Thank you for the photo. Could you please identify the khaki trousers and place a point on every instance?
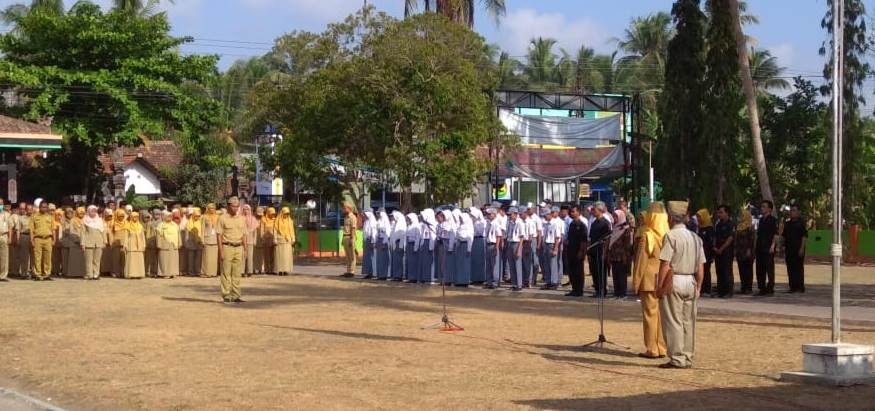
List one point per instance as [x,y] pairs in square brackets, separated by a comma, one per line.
[42,257]
[93,257]
[23,257]
[654,342]
[351,255]
[232,269]
[4,259]
[678,314]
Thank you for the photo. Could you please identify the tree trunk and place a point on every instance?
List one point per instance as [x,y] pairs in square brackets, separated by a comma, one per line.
[406,199]
[759,157]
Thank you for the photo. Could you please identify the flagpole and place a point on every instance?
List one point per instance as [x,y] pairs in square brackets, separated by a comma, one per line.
[838,111]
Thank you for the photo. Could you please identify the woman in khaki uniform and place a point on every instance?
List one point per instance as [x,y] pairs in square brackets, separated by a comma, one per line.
[93,242]
[653,228]
[258,258]
[210,258]
[151,255]
[180,217]
[266,235]
[118,236]
[135,248]
[194,243]
[74,258]
[106,255]
[284,240]
[251,235]
[168,242]
[60,247]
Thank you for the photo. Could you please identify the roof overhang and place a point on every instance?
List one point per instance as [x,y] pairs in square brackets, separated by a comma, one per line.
[31,141]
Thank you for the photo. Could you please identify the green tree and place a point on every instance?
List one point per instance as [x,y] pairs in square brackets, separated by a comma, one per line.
[106,79]
[647,40]
[138,7]
[766,72]
[679,159]
[459,11]
[540,67]
[12,13]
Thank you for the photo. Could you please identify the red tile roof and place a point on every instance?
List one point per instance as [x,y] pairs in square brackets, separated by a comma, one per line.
[15,125]
[159,155]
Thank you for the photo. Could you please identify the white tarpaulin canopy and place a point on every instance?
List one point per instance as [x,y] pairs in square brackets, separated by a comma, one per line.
[562,131]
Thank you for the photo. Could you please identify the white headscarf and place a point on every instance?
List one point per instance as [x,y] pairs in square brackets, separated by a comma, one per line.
[449,223]
[465,231]
[95,222]
[428,218]
[369,228]
[399,229]
[414,233]
[384,226]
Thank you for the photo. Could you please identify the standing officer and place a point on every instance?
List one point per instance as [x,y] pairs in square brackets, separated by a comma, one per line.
[767,233]
[5,239]
[350,230]
[231,230]
[682,267]
[43,236]
[724,251]
[795,236]
[599,232]
[23,256]
[577,244]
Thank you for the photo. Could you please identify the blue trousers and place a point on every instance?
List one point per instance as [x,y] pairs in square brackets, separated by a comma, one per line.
[412,262]
[528,260]
[368,258]
[493,265]
[398,262]
[426,262]
[478,266]
[552,267]
[514,264]
[462,274]
[382,261]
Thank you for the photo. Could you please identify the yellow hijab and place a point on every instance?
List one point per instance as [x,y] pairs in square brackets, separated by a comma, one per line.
[58,218]
[656,221]
[285,224]
[746,221]
[211,216]
[195,225]
[704,218]
[120,220]
[169,230]
[78,218]
[269,218]
[134,225]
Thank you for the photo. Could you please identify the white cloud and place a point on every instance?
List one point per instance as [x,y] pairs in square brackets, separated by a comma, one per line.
[785,52]
[321,10]
[520,26]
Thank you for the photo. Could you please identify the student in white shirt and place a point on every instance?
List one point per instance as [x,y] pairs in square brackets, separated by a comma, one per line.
[552,251]
[516,234]
[426,247]
[478,248]
[494,237]
[412,241]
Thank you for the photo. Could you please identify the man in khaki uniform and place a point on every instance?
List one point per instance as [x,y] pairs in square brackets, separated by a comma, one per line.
[5,239]
[350,230]
[681,272]
[22,266]
[231,230]
[42,238]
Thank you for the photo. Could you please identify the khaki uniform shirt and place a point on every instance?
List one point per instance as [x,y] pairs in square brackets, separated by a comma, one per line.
[22,224]
[6,225]
[350,225]
[41,225]
[683,249]
[231,229]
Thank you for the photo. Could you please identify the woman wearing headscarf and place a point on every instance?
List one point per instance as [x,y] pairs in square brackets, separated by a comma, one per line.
[446,234]
[266,235]
[384,232]
[398,244]
[106,256]
[464,245]
[135,248]
[74,259]
[428,240]
[93,242]
[620,252]
[370,234]
[284,242]
[210,253]
[193,239]
[59,221]
[478,247]
[251,240]
[706,233]
[181,221]
[744,251]
[412,240]
[258,257]
[169,242]
[654,227]
[119,236]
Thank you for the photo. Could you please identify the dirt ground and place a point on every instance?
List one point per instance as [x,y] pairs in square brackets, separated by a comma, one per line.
[303,342]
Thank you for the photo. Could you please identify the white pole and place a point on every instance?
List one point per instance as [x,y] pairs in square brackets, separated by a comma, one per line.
[650,159]
[652,197]
[838,16]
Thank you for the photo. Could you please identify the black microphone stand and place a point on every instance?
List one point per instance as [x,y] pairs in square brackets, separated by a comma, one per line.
[603,274]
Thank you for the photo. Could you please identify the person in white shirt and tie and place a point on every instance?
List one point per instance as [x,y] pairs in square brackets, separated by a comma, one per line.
[553,228]
[494,237]
[516,234]
[478,249]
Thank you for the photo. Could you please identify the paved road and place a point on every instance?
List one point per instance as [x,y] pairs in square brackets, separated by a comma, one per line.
[796,305]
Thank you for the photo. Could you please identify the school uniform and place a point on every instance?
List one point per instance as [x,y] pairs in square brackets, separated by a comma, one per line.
[493,236]
[478,248]
[428,242]
[398,245]
[516,234]
[464,246]
[384,228]
[552,241]
[369,231]
[412,240]
[445,249]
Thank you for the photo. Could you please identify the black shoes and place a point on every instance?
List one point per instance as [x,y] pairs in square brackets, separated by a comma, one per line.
[670,366]
[347,275]
[574,294]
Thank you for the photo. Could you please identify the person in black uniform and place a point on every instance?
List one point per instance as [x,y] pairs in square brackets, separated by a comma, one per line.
[724,250]
[577,243]
[599,230]
[795,235]
[767,231]
[705,230]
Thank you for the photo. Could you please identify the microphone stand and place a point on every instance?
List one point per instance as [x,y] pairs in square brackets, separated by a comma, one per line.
[445,324]
[603,274]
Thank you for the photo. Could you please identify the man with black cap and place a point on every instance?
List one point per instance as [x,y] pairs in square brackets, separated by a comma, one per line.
[681,270]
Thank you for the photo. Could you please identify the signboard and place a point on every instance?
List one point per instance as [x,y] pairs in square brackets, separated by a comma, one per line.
[276,188]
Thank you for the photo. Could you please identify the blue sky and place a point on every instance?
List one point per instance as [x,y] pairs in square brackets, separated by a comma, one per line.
[789,28]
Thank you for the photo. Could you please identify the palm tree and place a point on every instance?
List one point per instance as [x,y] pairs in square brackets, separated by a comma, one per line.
[460,11]
[15,12]
[647,39]
[766,72]
[509,70]
[540,65]
[142,8]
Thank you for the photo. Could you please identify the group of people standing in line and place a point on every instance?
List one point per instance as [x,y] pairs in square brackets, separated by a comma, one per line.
[668,253]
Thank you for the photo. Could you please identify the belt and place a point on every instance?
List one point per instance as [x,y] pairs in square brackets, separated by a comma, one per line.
[681,274]
[233,244]
[478,236]
[42,236]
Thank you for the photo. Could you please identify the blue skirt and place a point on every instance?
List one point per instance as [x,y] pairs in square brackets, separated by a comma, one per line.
[368,258]
[478,261]
[444,264]
[462,274]
[426,262]
[398,262]
[412,260]
[382,261]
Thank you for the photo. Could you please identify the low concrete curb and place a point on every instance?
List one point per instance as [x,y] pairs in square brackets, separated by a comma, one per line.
[12,398]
